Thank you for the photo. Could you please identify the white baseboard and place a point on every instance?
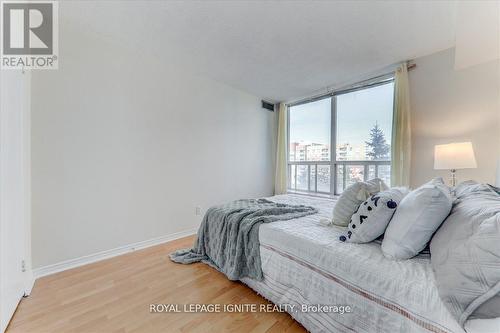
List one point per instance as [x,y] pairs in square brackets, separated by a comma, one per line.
[88,259]
[30,282]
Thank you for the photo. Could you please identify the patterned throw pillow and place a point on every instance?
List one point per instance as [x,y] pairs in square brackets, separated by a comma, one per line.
[371,218]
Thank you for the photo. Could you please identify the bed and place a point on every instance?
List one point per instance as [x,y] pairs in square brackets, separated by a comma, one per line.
[304,263]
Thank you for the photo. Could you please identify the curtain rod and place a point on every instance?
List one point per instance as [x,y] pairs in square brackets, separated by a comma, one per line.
[376,80]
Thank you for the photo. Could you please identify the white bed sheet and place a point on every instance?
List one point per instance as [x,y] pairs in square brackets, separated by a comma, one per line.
[305,263]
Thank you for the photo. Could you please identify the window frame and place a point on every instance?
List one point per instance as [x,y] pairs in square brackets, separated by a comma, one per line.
[333,162]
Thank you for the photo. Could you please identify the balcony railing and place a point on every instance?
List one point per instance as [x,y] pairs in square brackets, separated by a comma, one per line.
[317,177]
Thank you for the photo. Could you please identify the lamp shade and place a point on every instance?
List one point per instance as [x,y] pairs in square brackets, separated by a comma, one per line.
[451,156]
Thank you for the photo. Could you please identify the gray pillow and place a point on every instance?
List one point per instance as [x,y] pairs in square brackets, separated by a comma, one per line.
[372,217]
[352,197]
[418,216]
[465,254]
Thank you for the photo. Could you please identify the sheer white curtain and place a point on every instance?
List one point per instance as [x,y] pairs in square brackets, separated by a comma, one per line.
[401,130]
[280,179]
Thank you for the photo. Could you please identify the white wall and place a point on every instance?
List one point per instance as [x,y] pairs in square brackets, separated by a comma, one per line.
[124,146]
[450,105]
[15,242]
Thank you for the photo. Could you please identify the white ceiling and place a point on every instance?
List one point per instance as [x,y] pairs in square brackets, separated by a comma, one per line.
[276,50]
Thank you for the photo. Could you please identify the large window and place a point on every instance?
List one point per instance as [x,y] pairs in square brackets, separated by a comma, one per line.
[358,123]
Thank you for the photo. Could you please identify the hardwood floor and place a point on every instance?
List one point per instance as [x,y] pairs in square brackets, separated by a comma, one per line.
[114,295]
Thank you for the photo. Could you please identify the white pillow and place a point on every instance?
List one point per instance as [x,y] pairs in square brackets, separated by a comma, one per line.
[352,197]
[372,217]
[418,216]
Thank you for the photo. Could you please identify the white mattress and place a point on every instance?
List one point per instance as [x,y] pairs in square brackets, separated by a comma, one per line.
[304,263]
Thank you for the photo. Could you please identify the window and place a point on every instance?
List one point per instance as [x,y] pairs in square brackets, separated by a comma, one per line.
[310,131]
[358,123]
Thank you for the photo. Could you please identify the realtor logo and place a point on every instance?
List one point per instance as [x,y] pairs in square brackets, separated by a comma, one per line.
[29,35]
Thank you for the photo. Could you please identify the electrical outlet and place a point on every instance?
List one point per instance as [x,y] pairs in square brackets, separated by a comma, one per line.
[197,210]
[23,266]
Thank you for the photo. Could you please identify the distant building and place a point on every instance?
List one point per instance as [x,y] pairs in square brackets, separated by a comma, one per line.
[303,151]
[348,152]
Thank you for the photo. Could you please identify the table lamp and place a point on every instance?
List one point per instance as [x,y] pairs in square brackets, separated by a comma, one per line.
[454,156]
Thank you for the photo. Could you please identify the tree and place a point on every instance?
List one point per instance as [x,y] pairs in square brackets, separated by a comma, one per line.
[377,147]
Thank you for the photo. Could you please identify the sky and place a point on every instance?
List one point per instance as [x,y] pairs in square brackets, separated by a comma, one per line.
[357,113]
